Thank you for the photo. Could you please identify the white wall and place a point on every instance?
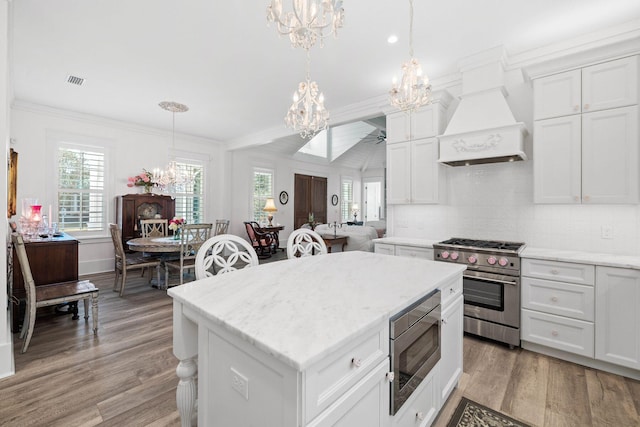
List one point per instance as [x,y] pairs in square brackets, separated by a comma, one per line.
[495,201]
[6,348]
[132,149]
[242,164]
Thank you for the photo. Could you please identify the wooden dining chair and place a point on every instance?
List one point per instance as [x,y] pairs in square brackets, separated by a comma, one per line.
[51,294]
[125,262]
[222,227]
[304,242]
[224,251]
[156,227]
[264,243]
[192,236]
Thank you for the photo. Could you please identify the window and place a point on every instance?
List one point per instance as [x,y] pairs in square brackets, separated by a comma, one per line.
[190,196]
[262,190]
[81,188]
[346,203]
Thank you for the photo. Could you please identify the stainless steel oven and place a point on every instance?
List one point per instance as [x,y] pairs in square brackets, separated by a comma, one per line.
[491,285]
[415,347]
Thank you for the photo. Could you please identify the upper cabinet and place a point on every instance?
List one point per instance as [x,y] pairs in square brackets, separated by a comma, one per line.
[426,122]
[413,172]
[598,87]
[585,147]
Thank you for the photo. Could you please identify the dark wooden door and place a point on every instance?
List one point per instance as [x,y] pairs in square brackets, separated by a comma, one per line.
[310,196]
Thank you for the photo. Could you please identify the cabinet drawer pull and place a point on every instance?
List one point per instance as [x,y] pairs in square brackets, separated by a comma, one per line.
[420,416]
[576,108]
[554,333]
[391,376]
[554,299]
[356,362]
[586,198]
[555,272]
[586,106]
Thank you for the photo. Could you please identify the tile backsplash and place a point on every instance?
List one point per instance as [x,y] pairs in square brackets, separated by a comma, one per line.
[495,201]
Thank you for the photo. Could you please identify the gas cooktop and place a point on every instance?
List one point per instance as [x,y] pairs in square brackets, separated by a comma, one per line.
[483,244]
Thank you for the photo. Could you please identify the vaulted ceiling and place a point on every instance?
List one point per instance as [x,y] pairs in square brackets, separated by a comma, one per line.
[235,73]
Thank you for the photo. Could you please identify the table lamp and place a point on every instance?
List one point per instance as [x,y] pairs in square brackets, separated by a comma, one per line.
[270,207]
[354,208]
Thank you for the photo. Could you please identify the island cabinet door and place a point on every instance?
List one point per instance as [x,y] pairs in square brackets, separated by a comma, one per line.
[365,404]
[451,356]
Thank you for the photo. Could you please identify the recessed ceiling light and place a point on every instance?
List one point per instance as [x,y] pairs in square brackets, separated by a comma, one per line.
[392,39]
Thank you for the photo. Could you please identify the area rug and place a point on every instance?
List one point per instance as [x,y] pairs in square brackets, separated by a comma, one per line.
[471,414]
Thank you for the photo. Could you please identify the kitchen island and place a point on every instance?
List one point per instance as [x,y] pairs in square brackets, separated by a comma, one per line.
[296,342]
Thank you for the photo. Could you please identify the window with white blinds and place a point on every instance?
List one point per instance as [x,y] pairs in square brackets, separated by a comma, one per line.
[262,190]
[190,201]
[81,189]
[346,199]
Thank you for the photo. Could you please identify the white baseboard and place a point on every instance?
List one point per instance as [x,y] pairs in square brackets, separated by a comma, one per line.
[7,367]
[95,266]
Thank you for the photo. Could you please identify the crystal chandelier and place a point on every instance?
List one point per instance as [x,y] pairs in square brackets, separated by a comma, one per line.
[308,21]
[171,176]
[414,90]
[307,114]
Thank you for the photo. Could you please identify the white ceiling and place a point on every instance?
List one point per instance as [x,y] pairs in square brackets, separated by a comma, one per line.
[234,72]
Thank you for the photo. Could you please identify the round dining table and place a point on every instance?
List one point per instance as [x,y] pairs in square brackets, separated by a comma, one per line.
[155,244]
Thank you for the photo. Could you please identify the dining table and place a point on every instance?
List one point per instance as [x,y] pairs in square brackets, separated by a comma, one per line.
[157,245]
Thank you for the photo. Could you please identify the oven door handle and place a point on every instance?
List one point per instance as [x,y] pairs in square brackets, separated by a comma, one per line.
[483,279]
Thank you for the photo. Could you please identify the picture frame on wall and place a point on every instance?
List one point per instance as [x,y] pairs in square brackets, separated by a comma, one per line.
[12,183]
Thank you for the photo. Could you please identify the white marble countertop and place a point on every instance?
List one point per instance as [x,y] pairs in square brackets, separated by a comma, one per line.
[407,241]
[302,310]
[606,260]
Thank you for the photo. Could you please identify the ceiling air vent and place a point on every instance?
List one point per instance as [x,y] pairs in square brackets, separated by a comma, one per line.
[74,80]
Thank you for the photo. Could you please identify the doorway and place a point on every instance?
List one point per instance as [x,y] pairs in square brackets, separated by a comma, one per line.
[373,200]
[310,197]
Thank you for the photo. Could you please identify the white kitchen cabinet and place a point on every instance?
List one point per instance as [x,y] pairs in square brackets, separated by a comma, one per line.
[610,157]
[598,87]
[407,249]
[427,122]
[587,154]
[558,305]
[385,249]
[413,172]
[422,406]
[414,252]
[617,333]
[557,95]
[557,162]
[451,356]
[366,404]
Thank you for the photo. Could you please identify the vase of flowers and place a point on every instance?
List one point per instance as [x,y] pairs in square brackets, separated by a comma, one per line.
[175,225]
[145,180]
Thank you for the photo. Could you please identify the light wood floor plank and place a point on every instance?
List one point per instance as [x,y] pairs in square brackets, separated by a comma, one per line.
[527,388]
[489,381]
[610,400]
[567,398]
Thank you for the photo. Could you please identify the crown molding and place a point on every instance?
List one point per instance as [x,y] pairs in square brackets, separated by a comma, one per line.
[29,107]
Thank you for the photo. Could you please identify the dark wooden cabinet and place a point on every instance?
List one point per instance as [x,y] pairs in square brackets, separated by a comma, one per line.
[131,208]
[51,261]
[310,197]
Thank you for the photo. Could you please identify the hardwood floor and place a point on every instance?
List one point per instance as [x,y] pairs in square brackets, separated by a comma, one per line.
[126,375]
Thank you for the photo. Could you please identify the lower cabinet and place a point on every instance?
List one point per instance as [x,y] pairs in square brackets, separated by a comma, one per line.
[366,404]
[404,250]
[421,408]
[618,316]
[451,347]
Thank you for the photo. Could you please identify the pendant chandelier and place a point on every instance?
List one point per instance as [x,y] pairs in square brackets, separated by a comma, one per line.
[307,114]
[414,90]
[171,176]
[310,20]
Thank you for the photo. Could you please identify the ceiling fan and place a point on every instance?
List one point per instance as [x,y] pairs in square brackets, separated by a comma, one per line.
[376,137]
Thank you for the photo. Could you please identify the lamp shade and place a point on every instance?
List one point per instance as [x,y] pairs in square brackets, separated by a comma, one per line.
[270,206]
[354,206]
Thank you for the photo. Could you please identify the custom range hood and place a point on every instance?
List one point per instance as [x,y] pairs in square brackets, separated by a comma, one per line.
[483,128]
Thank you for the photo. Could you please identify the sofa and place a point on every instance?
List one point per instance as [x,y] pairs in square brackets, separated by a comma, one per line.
[360,236]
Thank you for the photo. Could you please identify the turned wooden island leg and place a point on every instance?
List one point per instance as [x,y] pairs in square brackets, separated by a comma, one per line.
[185,348]
[186,391]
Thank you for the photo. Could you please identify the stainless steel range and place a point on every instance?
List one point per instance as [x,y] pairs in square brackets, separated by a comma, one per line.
[491,285]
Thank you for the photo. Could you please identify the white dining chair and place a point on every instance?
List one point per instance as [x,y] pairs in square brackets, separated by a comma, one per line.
[304,242]
[224,251]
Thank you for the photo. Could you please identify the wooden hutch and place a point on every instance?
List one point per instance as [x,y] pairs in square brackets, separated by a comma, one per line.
[131,208]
